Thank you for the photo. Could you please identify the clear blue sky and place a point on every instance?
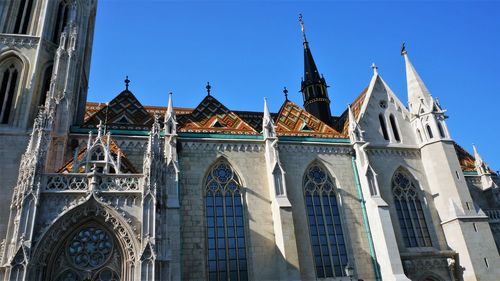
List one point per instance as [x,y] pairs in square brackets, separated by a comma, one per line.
[251,49]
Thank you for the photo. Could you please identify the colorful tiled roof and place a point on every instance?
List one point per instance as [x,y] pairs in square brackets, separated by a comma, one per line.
[292,120]
[343,121]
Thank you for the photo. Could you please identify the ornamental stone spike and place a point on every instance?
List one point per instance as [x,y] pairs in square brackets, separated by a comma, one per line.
[418,94]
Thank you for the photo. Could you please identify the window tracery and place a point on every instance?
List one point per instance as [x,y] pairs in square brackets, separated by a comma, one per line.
[225,224]
[89,253]
[325,227]
[409,210]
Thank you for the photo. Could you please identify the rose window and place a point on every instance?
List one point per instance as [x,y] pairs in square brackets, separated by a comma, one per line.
[90,248]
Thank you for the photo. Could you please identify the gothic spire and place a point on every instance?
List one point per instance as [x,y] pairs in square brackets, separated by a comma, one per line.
[419,97]
[313,86]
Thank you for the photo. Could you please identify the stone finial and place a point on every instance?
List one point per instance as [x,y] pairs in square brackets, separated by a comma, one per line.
[375,68]
[208,87]
[285,91]
[126,82]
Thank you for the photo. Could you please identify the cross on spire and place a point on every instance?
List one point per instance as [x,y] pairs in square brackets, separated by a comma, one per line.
[126,82]
[208,87]
[375,68]
[403,49]
[285,91]
[301,21]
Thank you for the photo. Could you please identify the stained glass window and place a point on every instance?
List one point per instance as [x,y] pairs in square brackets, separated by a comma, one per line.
[410,212]
[226,258]
[325,227]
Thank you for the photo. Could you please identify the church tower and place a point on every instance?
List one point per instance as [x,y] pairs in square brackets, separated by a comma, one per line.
[313,86]
[464,224]
[44,44]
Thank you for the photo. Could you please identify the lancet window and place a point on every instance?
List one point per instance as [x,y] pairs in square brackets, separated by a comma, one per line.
[9,80]
[409,210]
[61,19]
[23,16]
[394,127]
[227,258]
[325,226]
[383,126]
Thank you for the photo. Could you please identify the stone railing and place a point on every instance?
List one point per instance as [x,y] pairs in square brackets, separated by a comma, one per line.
[493,214]
[19,40]
[73,182]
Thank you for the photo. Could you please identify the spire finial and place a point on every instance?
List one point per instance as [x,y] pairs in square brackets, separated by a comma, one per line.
[285,91]
[403,49]
[126,82]
[208,87]
[375,68]
[301,21]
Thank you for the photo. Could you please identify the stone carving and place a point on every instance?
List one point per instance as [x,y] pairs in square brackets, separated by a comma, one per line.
[19,41]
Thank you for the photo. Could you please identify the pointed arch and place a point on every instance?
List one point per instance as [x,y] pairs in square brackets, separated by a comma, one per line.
[394,127]
[224,206]
[11,72]
[383,126]
[325,223]
[88,218]
[62,16]
[407,201]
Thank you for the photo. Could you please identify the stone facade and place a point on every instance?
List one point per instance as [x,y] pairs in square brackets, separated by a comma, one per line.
[122,191]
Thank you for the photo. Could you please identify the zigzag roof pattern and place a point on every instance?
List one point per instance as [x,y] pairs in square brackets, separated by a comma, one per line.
[292,120]
[211,116]
[123,112]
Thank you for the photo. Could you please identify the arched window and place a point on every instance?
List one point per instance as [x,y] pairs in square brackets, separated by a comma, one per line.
[9,80]
[61,20]
[409,211]
[225,224]
[429,131]
[90,251]
[383,126]
[23,16]
[327,236]
[394,127]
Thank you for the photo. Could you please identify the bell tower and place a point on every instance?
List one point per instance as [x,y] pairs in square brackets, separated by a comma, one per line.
[44,45]
[313,86]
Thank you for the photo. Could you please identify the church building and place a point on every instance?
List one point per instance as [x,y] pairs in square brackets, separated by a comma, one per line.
[126,191]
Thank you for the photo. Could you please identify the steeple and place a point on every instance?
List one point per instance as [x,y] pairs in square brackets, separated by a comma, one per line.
[313,86]
[419,97]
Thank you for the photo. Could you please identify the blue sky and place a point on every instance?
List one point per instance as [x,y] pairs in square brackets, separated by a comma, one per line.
[249,50]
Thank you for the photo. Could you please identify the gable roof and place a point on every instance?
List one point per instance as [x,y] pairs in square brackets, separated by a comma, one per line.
[123,112]
[292,120]
[211,116]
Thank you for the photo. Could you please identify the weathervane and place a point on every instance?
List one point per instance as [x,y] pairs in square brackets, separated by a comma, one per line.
[285,91]
[208,87]
[301,21]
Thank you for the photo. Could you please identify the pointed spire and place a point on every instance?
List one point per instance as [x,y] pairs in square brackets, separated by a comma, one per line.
[311,73]
[267,123]
[170,123]
[355,131]
[313,86]
[479,163]
[419,96]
